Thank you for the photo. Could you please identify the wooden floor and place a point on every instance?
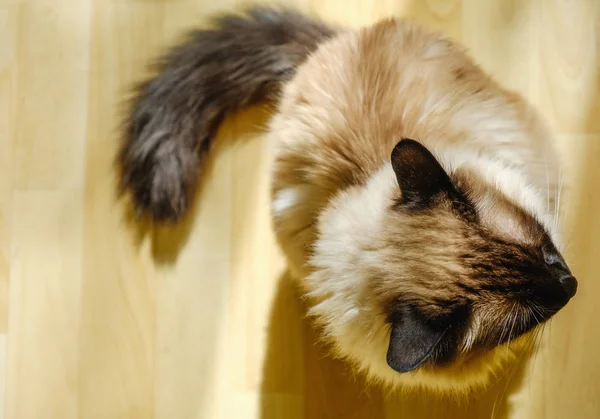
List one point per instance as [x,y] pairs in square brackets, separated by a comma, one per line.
[99,319]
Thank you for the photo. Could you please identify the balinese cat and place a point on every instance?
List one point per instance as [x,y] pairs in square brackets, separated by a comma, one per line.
[412,195]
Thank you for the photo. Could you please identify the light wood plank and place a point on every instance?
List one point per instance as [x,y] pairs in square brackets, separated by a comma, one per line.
[8,44]
[43,344]
[569,40]
[52,80]
[502,37]
[109,319]
[119,287]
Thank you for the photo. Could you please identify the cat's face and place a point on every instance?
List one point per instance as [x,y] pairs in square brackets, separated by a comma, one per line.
[465,269]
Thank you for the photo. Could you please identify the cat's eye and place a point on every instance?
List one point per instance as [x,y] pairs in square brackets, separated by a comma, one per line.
[553,258]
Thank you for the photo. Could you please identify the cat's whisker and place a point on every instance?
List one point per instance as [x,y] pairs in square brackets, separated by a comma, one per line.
[547,184]
[515,367]
[559,190]
[504,327]
[513,316]
[537,348]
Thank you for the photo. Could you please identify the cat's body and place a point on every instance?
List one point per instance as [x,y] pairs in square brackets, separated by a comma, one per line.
[333,136]
[359,94]
[414,265]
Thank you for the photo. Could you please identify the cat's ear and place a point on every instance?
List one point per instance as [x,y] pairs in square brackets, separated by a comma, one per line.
[420,176]
[413,340]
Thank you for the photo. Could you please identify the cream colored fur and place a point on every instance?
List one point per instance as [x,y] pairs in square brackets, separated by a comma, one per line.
[358,95]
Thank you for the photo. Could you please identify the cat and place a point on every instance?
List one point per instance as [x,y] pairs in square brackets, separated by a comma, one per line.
[412,195]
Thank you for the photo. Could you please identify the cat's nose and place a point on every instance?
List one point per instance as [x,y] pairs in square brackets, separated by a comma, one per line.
[569,284]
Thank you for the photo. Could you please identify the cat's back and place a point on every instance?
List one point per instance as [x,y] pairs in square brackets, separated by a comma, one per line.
[354,98]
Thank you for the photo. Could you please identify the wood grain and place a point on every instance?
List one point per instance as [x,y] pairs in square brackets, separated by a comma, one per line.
[103,318]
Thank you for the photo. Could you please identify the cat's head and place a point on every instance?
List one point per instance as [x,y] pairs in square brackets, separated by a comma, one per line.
[428,270]
[482,271]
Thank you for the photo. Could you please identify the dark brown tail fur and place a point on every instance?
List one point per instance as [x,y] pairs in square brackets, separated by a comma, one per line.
[242,60]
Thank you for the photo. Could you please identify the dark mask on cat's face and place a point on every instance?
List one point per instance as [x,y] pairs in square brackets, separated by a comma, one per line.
[485,273]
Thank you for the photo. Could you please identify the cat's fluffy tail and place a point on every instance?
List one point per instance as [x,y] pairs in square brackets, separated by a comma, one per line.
[241,60]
